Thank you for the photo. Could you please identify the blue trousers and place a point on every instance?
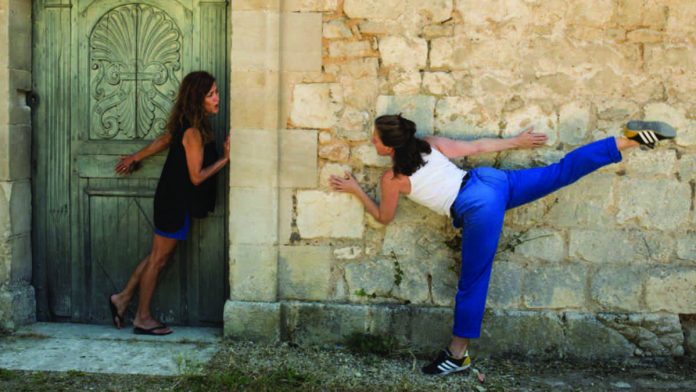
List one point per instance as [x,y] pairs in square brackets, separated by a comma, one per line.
[479,210]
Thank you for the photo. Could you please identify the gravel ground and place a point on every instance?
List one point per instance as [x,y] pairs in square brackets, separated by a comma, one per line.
[247,366]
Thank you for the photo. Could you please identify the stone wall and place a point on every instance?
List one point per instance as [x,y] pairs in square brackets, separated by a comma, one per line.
[17,303]
[610,259]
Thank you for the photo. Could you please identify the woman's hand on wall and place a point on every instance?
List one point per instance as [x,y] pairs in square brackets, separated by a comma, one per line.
[126,165]
[530,139]
[347,183]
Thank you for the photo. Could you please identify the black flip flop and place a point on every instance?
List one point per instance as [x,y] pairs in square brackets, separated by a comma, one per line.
[115,317]
[151,331]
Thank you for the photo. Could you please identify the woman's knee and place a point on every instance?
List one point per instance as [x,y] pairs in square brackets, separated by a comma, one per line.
[158,260]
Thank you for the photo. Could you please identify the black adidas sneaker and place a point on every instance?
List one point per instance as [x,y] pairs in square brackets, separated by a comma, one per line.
[445,364]
[648,133]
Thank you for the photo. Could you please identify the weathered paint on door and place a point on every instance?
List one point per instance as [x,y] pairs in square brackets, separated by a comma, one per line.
[106,72]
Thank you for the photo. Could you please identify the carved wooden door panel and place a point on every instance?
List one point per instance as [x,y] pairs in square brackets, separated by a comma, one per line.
[107,72]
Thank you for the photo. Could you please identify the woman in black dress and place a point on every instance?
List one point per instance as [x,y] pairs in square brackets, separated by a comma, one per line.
[185,189]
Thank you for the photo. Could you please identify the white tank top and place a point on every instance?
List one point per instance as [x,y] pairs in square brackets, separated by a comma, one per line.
[436,184]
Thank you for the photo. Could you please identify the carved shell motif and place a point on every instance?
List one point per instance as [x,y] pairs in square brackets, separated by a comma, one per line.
[135,61]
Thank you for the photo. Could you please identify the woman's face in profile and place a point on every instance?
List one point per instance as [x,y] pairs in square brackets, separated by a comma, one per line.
[211,103]
[379,146]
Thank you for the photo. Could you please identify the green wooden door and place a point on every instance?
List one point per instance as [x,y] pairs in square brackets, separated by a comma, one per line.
[106,73]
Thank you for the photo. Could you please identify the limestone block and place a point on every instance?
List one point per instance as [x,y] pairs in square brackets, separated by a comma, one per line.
[333,215]
[505,290]
[532,116]
[301,46]
[348,252]
[350,49]
[371,9]
[310,5]
[672,290]
[405,82]
[555,287]
[374,278]
[15,148]
[254,100]
[462,117]
[337,151]
[442,276]
[318,323]
[586,203]
[531,334]
[330,169]
[255,217]
[442,52]
[255,40]
[354,125]
[687,167]
[573,123]
[336,29]
[20,43]
[616,111]
[438,83]
[19,82]
[594,13]
[253,272]
[17,196]
[436,31]
[690,335]
[645,36]
[355,68]
[434,11]
[403,52]
[493,12]
[686,246]
[620,246]
[361,94]
[681,12]
[298,159]
[686,128]
[660,162]
[286,210]
[419,109]
[304,272]
[618,288]
[631,14]
[256,321]
[653,334]
[17,306]
[367,155]
[431,327]
[586,337]
[316,105]
[20,258]
[641,199]
[255,5]
[543,244]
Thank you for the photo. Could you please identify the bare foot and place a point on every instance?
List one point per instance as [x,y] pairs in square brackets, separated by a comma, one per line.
[121,306]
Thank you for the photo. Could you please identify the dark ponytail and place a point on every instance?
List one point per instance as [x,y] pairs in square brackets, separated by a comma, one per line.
[400,133]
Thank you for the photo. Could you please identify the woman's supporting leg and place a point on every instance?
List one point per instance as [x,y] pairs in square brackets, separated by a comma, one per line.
[530,184]
[481,206]
[162,249]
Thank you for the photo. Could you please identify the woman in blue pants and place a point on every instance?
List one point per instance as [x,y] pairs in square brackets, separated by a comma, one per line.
[477,200]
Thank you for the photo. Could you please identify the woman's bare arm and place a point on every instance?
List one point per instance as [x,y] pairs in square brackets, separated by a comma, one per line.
[193,145]
[460,148]
[391,186]
[126,163]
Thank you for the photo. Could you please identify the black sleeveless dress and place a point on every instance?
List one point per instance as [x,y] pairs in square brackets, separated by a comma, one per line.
[176,195]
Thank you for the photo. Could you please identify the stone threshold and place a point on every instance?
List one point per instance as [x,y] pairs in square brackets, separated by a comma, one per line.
[104,349]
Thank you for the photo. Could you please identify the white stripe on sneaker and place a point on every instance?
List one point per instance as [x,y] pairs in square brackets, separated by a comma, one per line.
[442,367]
[643,137]
[452,364]
[653,136]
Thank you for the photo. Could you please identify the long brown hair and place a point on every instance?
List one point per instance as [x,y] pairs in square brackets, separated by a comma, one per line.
[400,133]
[188,106]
